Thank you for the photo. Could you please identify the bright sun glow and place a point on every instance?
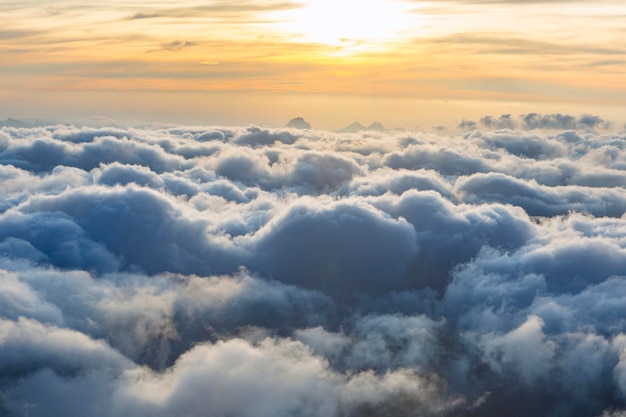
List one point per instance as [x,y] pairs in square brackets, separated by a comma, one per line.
[350,25]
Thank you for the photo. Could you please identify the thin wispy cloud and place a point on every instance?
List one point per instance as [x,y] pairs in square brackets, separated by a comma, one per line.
[435,51]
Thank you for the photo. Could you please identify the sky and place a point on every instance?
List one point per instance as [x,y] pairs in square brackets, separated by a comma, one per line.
[169,247]
[403,63]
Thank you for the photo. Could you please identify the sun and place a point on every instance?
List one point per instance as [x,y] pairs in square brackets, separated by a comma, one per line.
[350,24]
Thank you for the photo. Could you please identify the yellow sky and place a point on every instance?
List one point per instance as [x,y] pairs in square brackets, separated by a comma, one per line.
[401,62]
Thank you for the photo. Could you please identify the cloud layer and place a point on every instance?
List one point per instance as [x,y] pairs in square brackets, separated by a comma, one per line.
[213,271]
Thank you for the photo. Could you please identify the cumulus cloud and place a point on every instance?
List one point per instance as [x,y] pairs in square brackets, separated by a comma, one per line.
[337,248]
[539,200]
[436,157]
[504,121]
[248,271]
[532,121]
[561,121]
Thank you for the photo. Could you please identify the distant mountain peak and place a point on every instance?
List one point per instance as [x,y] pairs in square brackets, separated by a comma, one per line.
[376,126]
[358,127]
[11,122]
[299,123]
[353,128]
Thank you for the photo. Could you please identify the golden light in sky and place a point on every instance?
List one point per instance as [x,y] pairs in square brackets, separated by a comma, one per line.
[311,57]
[350,25]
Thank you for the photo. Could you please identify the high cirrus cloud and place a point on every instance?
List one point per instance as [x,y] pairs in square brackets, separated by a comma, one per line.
[229,271]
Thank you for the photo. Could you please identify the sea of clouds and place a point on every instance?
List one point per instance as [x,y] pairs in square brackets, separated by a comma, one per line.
[250,272]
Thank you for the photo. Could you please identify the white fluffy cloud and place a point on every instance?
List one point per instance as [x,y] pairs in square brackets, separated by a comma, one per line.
[243,271]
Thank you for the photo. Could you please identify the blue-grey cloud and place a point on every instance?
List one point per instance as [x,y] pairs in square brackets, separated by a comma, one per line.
[533,121]
[337,248]
[540,200]
[445,161]
[262,272]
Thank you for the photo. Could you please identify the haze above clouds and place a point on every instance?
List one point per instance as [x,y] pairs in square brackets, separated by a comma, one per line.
[242,271]
[405,63]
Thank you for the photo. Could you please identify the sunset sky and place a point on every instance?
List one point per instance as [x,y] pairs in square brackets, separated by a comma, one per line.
[171,245]
[404,63]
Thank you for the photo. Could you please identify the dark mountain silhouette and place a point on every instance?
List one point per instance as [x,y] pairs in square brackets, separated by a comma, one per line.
[299,123]
[358,127]
[377,127]
[353,128]
[10,122]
